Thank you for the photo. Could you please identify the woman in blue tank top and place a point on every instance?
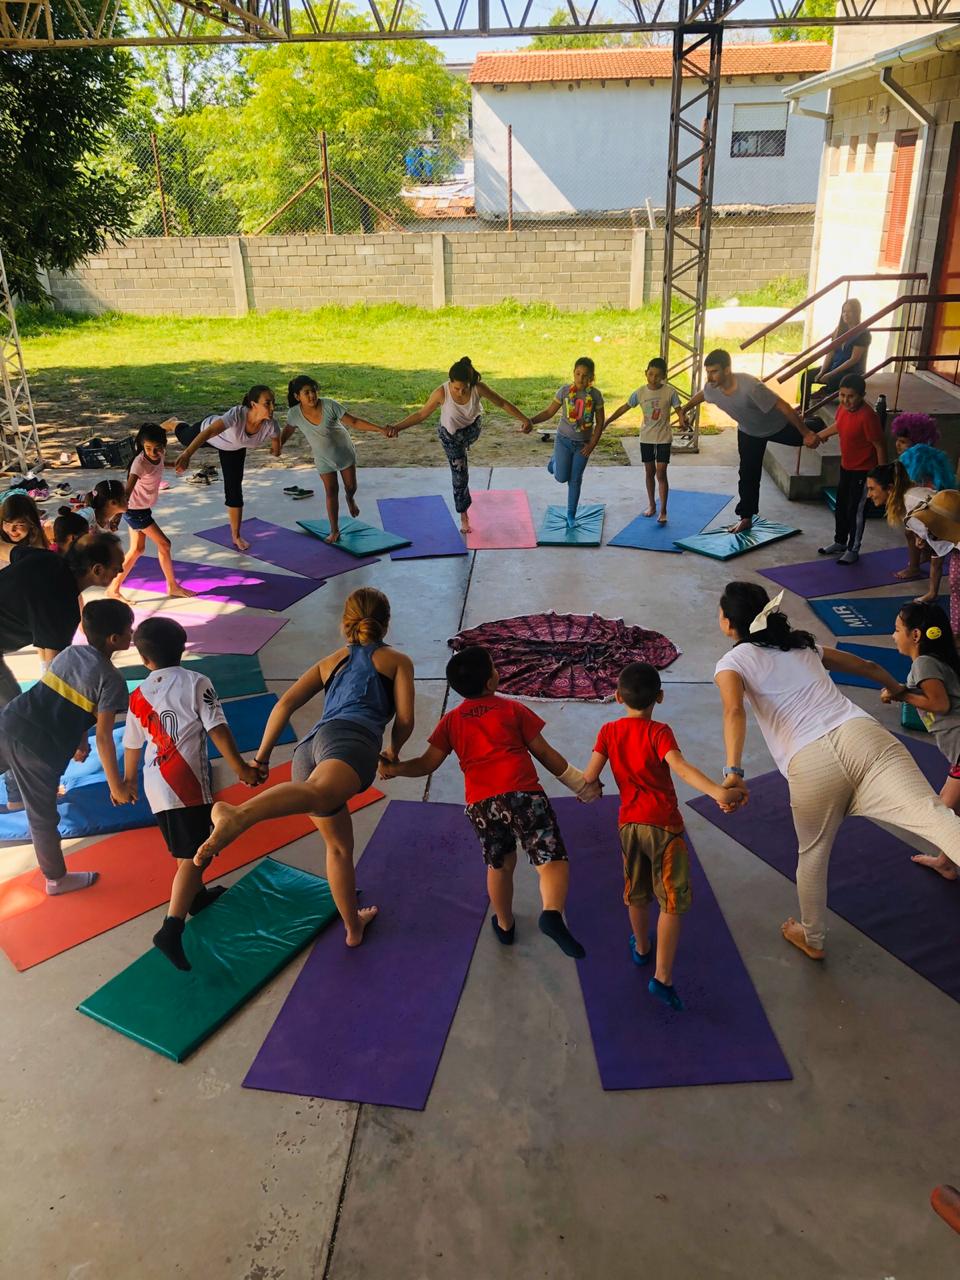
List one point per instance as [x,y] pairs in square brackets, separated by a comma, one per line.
[366,684]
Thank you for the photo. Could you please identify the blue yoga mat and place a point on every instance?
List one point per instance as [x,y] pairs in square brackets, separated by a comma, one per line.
[586,530]
[894,662]
[722,1036]
[688,513]
[717,544]
[427,523]
[874,617]
[247,718]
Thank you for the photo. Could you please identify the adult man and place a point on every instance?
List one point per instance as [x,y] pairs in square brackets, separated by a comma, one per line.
[761,415]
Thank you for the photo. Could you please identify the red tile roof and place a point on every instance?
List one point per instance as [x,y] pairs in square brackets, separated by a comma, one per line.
[565,65]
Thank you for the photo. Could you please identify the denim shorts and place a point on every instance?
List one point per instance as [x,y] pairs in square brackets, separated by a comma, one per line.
[140,519]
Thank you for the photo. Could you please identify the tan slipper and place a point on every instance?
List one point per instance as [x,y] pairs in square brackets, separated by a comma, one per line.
[792,930]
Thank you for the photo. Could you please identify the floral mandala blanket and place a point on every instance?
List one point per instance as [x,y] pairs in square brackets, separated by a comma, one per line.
[565,655]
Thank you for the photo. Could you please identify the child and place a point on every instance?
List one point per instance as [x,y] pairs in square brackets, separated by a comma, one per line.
[324,423]
[66,529]
[21,522]
[889,486]
[141,492]
[909,429]
[171,714]
[104,505]
[656,400]
[579,432]
[494,738]
[862,447]
[926,466]
[41,729]
[923,633]
[642,752]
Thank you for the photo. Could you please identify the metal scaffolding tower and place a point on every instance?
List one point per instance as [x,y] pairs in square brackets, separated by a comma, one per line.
[19,445]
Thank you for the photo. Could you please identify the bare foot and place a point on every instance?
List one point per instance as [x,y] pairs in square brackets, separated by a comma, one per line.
[352,505]
[907,575]
[742,526]
[792,930]
[227,825]
[118,595]
[464,525]
[650,511]
[333,536]
[936,862]
[929,598]
[241,544]
[176,592]
[662,518]
[364,917]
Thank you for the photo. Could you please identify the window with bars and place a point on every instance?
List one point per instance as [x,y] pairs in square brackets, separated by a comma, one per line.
[898,199]
[759,129]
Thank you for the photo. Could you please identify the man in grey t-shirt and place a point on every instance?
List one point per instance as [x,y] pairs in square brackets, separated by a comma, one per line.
[761,415]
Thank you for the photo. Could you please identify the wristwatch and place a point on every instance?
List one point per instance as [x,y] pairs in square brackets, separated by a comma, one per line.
[734,769]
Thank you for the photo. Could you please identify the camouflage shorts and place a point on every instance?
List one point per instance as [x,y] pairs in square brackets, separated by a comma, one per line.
[524,816]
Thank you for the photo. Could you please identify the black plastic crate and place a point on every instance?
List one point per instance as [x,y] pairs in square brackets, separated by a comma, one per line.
[101,454]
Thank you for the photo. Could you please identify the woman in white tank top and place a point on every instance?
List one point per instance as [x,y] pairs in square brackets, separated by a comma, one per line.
[458,400]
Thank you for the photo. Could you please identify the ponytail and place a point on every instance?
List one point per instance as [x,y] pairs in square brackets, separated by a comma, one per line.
[366,616]
[892,477]
[936,634]
[151,432]
[104,492]
[740,604]
[463,371]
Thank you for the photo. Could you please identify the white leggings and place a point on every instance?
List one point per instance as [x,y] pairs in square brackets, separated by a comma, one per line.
[857,770]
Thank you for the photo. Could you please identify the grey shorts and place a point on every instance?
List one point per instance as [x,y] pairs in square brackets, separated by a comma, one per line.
[343,740]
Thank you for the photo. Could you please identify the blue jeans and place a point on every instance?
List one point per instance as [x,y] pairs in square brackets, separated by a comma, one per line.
[568,465]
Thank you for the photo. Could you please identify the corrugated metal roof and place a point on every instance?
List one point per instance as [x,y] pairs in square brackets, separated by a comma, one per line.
[565,65]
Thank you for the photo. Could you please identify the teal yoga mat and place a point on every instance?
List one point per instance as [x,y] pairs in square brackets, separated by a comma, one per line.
[587,530]
[356,537]
[236,947]
[233,675]
[720,545]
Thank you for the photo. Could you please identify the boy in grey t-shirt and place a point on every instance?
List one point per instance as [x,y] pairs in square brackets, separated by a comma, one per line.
[658,400]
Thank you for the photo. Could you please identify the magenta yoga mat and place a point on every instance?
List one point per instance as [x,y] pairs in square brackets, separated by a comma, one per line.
[910,912]
[250,587]
[289,549]
[368,1024]
[721,1037]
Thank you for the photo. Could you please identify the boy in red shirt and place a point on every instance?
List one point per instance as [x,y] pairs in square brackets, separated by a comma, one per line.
[642,752]
[862,448]
[494,739]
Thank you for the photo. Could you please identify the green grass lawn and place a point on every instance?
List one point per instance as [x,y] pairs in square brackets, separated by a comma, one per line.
[111,372]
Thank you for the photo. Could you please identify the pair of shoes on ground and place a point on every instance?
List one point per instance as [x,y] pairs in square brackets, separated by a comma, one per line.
[665,994]
[297,494]
[840,552]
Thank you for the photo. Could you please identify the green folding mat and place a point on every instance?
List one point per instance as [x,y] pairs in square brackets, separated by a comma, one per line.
[720,545]
[830,498]
[356,537]
[587,530]
[236,946]
[233,675]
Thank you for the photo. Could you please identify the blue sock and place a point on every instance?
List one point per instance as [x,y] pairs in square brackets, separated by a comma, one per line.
[667,994]
[637,958]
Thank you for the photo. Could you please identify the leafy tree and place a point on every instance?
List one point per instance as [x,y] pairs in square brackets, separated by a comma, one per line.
[62,195]
[591,39]
[811,9]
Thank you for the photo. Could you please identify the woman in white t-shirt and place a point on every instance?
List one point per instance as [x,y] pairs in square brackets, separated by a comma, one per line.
[232,433]
[838,761]
[458,400]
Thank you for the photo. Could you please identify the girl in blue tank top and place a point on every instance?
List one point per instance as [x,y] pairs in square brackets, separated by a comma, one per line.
[366,685]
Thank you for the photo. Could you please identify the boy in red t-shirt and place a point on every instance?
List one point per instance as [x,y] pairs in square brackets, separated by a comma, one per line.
[642,752]
[862,448]
[494,739]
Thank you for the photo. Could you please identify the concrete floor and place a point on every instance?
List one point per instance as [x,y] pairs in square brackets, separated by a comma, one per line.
[119,1164]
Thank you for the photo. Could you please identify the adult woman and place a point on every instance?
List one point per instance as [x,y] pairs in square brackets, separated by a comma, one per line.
[366,684]
[838,761]
[458,400]
[324,424]
[245,425]
[841,358]
[889,486]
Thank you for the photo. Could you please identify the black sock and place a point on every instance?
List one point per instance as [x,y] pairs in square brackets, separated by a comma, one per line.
[205,898]
[169,940]
[506,936]
[554,926]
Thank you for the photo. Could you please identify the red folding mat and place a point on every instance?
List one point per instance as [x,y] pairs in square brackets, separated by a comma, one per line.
[136,871]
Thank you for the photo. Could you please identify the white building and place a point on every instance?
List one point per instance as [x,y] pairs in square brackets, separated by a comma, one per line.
[590,129]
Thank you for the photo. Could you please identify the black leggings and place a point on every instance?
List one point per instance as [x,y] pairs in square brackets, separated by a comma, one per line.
[751,450]
[232,462]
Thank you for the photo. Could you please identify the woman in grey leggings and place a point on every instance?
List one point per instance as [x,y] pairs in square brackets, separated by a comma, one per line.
[838,761]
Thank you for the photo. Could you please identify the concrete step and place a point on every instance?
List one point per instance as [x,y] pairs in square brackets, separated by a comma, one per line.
[818,469]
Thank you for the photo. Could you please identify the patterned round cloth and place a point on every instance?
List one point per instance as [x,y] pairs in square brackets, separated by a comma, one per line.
[565,655]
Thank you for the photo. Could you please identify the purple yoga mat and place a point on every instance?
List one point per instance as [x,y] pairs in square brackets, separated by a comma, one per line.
[214,633]
[721,1037]
[288,549]
[824,577]
[369,1024]
[428,524]
[912,913]
[250,587]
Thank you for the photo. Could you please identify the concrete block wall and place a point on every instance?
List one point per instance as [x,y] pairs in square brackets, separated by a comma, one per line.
[575,269]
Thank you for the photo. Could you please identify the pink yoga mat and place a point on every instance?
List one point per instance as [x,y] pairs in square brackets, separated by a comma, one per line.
[238,632]
[500,519]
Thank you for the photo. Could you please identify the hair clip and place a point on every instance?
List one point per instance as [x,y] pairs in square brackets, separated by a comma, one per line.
[933,633]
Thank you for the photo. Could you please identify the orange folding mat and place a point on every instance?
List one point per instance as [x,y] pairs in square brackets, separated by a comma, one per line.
[136,872]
